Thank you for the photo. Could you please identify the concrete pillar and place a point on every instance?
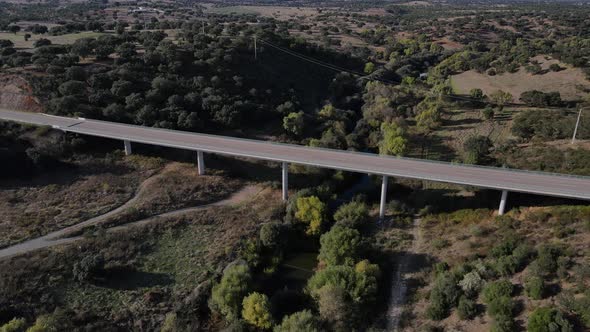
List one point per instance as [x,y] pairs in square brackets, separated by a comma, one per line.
[200,163]
[127,147]
[503,202]
[285,176]
[383,197]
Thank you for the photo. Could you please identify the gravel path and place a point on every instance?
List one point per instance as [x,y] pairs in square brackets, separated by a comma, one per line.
[399,288]
[60,236]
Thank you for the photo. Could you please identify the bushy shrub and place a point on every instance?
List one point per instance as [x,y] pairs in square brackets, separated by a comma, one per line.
[471,283]
[548,320]
[546,262]
[226,297]
[467,308]
[88,267]
[500,306]
[45,323]
[271,234]
[503,324]
[443,297]
[534,288]
[441,267]
[497,289]
[505,247]
[352,215]
[523,254]
[506,265]
[299,321]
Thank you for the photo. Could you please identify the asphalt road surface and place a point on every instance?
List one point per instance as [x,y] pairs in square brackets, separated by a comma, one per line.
[486,177]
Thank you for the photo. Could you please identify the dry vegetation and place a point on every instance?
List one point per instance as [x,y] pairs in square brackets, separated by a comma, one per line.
[61,198]
[149,270]
[468,235]
[570,82]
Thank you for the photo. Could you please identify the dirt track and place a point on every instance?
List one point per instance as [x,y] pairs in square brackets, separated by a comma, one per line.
[60,237]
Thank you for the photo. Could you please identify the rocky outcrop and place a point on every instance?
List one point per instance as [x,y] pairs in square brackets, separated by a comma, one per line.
[16,94]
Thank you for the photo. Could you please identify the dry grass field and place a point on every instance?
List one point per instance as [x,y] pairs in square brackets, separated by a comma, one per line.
[19,38]
[570,82]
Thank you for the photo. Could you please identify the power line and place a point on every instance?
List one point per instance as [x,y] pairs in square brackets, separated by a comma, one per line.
[327,65]
[361,76]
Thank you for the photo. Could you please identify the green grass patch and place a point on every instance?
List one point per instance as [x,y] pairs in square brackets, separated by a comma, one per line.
[182,255]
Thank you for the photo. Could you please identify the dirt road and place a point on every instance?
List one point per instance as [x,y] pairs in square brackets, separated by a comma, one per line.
[60,237]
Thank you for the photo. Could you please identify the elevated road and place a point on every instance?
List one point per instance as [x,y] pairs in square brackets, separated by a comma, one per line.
[541,183]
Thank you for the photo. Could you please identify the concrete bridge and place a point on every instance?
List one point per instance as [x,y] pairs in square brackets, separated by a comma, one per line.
[505,180]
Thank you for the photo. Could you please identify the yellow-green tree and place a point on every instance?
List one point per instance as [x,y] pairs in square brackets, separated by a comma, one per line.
[393,141]
[501,98]
[369,67]
[311,211]
[256,310]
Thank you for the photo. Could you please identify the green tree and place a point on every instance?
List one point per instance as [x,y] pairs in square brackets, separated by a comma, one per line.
[271,234]
[72,88]
[311,211]
[341,245]
[548,320]
[14,325]
[369,68]
[496,289]
[83,47]
[294,123]
[477,149]
[429,119]
[227,295]
[501,98]
[476,94]
[45,323]
[14,28]
[467,308]
[302,321]
[393,141]
[353,215]
[256,310]
[360,288]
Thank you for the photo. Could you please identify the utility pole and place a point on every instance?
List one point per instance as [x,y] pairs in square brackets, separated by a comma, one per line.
[203,27]
[577,124]
[255,50]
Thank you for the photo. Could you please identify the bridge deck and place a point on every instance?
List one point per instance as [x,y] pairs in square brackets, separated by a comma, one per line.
[486,177]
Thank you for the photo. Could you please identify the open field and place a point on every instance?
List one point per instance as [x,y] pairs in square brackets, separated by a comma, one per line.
[19,38]
[278,12]
[570,82]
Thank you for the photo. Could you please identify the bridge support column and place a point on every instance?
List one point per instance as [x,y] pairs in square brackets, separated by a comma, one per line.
[127,147]
[285,176]
[502,208]
[383,197]
[200,163]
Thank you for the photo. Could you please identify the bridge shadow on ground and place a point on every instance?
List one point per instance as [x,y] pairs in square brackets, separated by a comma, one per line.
[453,199]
